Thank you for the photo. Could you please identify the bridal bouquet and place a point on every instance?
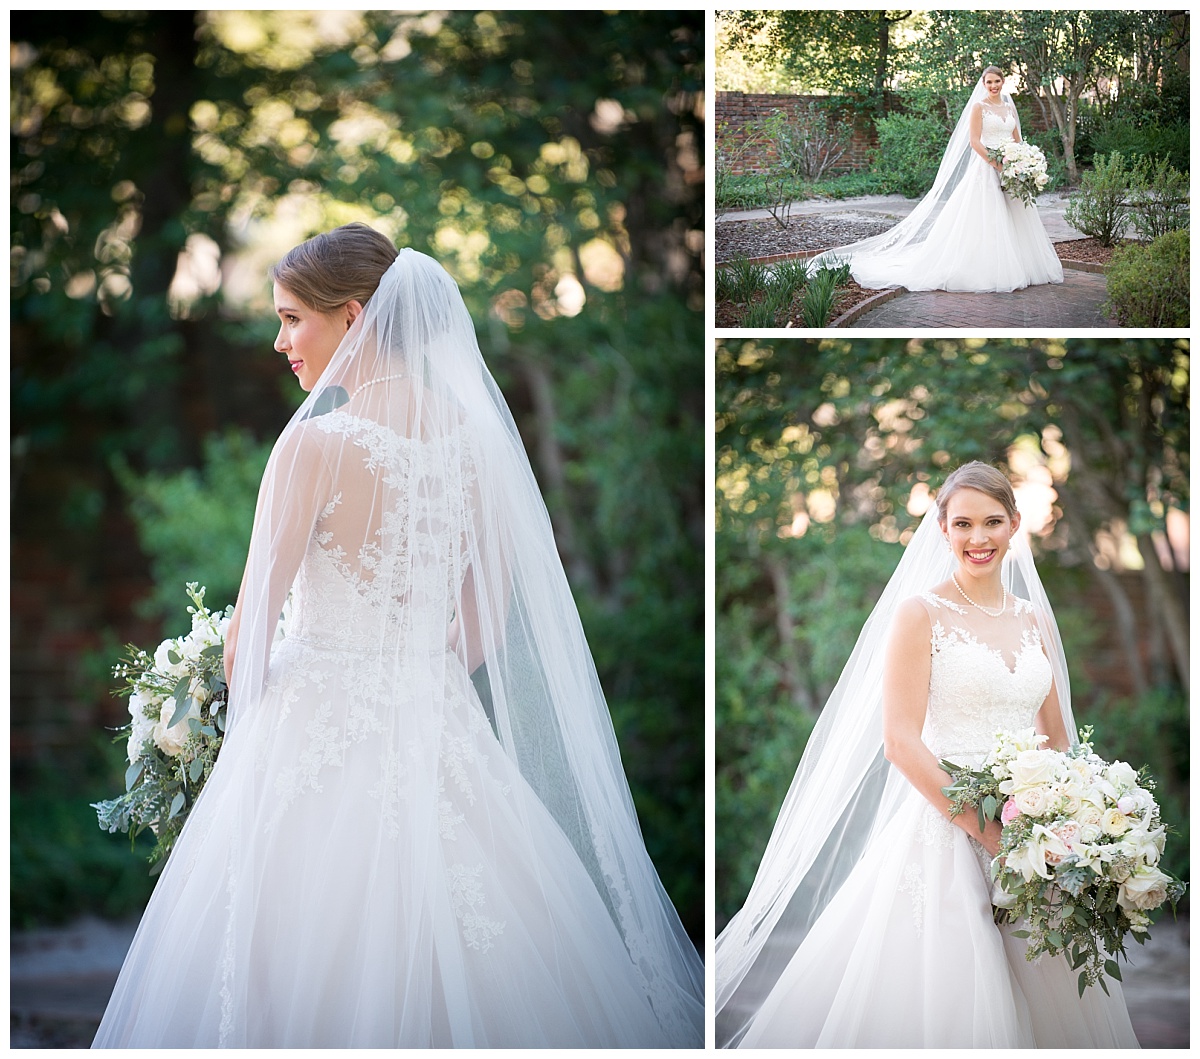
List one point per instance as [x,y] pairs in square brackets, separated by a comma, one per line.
[1079,850]
[1023,174]
[177,699]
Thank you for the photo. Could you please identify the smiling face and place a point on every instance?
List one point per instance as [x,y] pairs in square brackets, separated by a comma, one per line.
[309,338]
[979,531]
[993,83]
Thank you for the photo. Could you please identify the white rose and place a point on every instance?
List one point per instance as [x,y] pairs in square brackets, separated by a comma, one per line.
[1121,775]
[170,740]
[1032,768]
[1144,890]
[1114,822]
[1089,831]
[163,663]
[1031,801]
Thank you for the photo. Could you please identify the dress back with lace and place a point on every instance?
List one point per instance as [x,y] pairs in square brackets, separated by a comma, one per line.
[987,674]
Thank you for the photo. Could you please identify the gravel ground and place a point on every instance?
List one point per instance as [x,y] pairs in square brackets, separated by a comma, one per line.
[763,238]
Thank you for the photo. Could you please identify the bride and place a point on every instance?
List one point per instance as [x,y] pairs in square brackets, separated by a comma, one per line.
[966,234]
[869,921]
[418,832]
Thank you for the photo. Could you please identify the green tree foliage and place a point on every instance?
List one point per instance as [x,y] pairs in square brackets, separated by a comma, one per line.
[820,446]
[552,163]
[854,53]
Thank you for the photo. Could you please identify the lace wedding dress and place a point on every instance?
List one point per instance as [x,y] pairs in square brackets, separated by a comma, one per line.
[418,832]
[966,233]
[906,953]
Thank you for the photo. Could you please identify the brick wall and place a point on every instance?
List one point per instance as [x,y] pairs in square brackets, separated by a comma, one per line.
[736,111]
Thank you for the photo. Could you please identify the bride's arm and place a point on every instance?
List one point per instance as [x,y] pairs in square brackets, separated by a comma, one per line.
[976,128]
[906,667]
[1050,721]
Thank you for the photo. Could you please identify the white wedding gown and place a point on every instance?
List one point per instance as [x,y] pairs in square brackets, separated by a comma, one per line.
[906,954]
[367,866]
[981,240]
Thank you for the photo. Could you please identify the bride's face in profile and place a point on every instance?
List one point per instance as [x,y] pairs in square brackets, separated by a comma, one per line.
[992,83]
[307,337]
[979,531]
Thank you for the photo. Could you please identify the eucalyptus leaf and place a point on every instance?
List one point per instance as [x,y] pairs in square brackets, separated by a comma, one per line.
[1020,933]
[174,657]
[133,773]
[1114,971]
[177,804]
[1082,982]
[196,770]
[181,708]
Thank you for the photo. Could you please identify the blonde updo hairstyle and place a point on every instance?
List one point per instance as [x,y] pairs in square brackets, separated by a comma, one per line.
[336,267]
[982,477]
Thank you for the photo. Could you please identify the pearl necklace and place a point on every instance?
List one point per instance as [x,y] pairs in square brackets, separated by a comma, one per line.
[989,613]
[372,382]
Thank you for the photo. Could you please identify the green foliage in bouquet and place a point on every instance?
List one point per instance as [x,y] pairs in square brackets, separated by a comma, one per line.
[177,700]
[1077,883]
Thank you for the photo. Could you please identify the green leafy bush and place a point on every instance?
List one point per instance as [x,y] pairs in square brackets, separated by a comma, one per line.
[194,525]
[1131,138]
[849,185]
[1148,284]
[1159,197]
[1100,208]
[910,149]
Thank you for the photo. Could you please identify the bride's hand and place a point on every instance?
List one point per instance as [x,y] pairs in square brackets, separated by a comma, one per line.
[990,839]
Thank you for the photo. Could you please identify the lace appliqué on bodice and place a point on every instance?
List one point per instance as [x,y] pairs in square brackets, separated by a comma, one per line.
[997,125]
[974,689]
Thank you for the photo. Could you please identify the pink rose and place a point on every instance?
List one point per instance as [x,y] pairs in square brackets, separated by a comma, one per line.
[1009,812]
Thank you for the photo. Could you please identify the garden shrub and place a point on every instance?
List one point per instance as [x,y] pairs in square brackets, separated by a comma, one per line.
[909,153]
[1159,198]
[1148,283]
[1170,142]
[194,525]
[1100,208]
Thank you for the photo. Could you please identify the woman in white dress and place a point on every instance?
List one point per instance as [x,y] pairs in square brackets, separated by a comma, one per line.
[418,832]
[966,234]
[869,923]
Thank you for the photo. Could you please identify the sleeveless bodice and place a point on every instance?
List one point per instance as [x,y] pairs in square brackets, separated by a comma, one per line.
[396,589]
[998,125]
[987,674]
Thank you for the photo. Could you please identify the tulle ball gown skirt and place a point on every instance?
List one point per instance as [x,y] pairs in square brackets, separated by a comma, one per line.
[374,880]
[982,240]
[906,955]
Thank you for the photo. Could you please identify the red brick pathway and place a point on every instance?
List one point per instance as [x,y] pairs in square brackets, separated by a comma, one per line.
[1076,302]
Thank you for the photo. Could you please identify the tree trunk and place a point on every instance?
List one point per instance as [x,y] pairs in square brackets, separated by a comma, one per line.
[1160,596]
[1127,627]
[786,630]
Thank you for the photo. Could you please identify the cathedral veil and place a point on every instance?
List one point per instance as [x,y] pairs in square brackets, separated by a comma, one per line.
[457,559]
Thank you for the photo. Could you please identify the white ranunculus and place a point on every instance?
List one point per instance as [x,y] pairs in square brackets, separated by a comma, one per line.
[1143,890]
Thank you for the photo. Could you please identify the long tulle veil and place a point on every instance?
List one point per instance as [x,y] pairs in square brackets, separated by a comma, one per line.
[457,555]
[844,787]
[913,230]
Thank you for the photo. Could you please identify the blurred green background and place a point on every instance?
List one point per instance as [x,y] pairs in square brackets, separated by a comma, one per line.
[823,446]
[160,162]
